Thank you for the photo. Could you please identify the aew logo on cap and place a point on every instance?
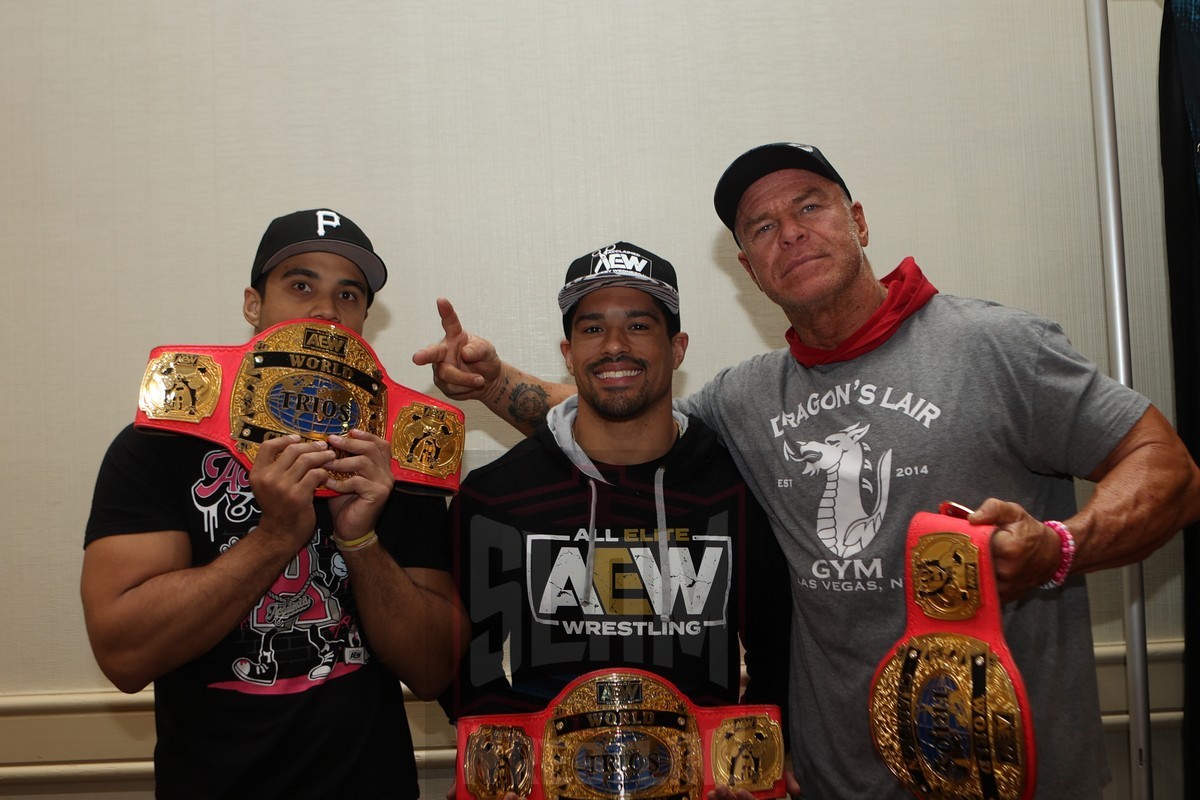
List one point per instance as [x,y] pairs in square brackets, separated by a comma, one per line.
[619,264]
[610,259]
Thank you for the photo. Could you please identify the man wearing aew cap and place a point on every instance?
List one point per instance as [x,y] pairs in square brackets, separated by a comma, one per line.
[888,399]
[275,626]
[620,534]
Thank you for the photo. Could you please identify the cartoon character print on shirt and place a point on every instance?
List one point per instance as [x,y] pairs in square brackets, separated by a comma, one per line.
[844,525]
[299,602]
[222,494]
[299,633]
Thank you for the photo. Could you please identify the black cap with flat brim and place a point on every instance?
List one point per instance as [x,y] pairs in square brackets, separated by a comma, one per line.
[761,161]
[619,264]
[318,230]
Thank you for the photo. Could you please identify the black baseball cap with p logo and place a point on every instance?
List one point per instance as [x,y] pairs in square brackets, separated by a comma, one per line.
[318,230]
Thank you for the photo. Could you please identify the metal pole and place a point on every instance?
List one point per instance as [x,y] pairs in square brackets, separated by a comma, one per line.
[1141,774]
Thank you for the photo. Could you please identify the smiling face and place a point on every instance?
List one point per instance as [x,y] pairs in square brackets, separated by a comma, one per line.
[621,354]
[802,240]
[317,284]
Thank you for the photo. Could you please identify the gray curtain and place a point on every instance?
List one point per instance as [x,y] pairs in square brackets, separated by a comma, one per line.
[1179,113]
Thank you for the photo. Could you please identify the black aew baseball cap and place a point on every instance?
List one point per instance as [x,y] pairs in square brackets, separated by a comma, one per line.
[763,160]
[318,230]
[619,264]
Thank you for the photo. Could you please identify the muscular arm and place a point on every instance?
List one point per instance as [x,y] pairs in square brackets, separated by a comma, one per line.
[467,367]
[413,617]
[148,610]
[1147,489]
[523,400]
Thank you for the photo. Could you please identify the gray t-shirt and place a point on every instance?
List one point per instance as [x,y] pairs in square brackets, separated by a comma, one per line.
[967,400]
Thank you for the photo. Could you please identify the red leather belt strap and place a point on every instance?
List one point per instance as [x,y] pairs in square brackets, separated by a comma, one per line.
[309,377]
[625,734]
[949,712]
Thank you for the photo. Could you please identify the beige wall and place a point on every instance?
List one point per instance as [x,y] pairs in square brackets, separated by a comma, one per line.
[483,145]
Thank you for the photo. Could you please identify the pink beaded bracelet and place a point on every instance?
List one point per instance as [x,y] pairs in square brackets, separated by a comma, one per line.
[1068,553]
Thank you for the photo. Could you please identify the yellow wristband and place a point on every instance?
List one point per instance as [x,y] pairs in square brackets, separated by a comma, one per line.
[367,539]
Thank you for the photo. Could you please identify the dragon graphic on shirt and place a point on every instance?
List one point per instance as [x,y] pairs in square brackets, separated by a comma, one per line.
[843,524]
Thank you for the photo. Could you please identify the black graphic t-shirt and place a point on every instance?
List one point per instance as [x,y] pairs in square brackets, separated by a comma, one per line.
[291,703]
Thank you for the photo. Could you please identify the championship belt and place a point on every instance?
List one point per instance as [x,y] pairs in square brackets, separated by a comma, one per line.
[621,733]
[310,377]
[949,714]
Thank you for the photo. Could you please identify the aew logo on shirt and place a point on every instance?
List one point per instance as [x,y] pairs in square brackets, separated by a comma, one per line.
[626,585]
[611,259]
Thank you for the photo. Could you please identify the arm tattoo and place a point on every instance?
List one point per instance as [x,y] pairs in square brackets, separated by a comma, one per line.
[528,403]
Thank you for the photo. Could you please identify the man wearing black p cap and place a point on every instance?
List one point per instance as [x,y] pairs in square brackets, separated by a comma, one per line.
[275,626]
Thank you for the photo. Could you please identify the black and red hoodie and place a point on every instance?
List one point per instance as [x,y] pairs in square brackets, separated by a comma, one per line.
[529,529]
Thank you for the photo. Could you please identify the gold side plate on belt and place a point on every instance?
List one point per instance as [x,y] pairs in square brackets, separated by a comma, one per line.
[946,719]
[747,753]
[181,386]
[945,571]
[428,440]
[499,760]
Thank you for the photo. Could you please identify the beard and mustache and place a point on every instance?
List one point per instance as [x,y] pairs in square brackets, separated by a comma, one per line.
[616,404]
